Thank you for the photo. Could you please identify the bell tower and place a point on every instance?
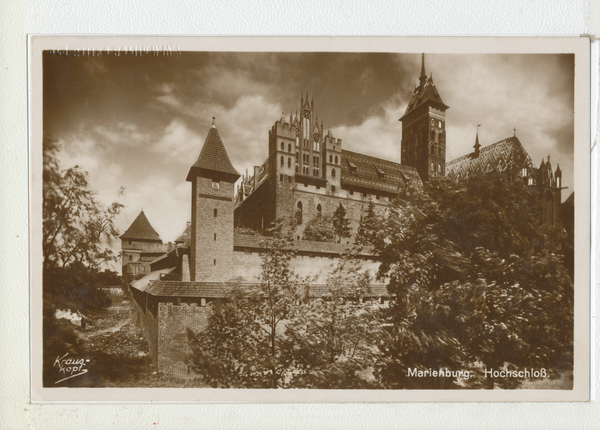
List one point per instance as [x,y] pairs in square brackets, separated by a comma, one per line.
[213,178]
[424,129]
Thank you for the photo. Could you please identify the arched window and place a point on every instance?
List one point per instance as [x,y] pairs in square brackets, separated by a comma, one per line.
[297,141]
[433,135]
[336,161]
[289,147]
[289,162]
[297,167]
[432,167]
[215,213]
[319,208]
[333,173]
[439,152]
[330,158]
[432,149]
[282,161]
[296,155]
[282,146]
[440,168]
[299,213]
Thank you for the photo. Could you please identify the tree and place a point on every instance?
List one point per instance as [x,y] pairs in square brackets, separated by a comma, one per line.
[76,232]
[368,226]
[241,346]
[333,340]
[341,224]
[478,281]
[273,335]
[319,229]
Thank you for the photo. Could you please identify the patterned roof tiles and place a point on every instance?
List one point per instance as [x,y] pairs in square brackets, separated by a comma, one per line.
[505,156]
[361,170]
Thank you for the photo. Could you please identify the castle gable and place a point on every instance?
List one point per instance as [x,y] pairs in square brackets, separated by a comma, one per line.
[359,170]
[502,157]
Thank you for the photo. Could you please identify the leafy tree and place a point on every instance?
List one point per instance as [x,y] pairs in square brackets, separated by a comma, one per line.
[271,335]
[368,226]
[476,278]
[76,232]
[319,229]
[241,346]
[333,340]
[341,223]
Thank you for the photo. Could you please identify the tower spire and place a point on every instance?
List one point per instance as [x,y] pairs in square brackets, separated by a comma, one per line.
[477,145]
[423,76]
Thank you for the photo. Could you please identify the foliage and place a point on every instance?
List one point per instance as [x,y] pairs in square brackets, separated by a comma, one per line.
[271,335]
[368,227]
[76,227]
[76,232]
[319,229]
[477,279]
[341,223]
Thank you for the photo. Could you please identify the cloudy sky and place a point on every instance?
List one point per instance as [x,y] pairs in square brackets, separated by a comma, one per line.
[140,121]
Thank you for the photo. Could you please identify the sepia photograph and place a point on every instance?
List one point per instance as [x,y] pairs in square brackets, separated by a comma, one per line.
[393,219]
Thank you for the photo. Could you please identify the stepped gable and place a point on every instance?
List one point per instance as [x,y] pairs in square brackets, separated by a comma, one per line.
[141,229]
[505,156]
[213,159]
[359,170]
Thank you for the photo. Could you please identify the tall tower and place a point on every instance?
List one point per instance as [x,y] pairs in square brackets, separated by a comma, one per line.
[213,178]
[424,129]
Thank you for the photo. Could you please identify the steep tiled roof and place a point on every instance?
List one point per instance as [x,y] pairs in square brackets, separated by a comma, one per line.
[423,94]
[140,228]
[504,156]
[143,283]
[369,172]
[213,157]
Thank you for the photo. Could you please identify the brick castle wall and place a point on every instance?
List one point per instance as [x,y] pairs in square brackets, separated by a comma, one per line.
[173,321]
[145,307]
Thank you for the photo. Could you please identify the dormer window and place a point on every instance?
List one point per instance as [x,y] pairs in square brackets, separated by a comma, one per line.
[352,166]
[380,173]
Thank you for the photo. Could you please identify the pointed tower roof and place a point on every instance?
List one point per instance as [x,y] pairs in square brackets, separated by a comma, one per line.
[477,145]
[140,229]
[213,161]
[426,92]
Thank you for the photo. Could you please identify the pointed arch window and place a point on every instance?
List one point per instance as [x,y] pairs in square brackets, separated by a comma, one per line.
[299,213]
[282,146]
[336,159]
[330,158]
[282,161]
[319,208]
[289,147]
[289,162]
[333,173]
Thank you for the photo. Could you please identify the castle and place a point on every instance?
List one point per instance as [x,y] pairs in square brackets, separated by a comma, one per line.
[307,172]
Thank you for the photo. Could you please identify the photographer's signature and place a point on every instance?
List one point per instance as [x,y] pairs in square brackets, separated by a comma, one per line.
[70,366]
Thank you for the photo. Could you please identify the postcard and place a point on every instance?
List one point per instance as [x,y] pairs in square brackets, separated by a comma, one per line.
[278,219]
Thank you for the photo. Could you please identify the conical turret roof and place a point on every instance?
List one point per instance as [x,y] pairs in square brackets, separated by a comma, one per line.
[213,159]
[140,229]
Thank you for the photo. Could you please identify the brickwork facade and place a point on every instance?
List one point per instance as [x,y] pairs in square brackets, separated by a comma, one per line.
[173,321]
